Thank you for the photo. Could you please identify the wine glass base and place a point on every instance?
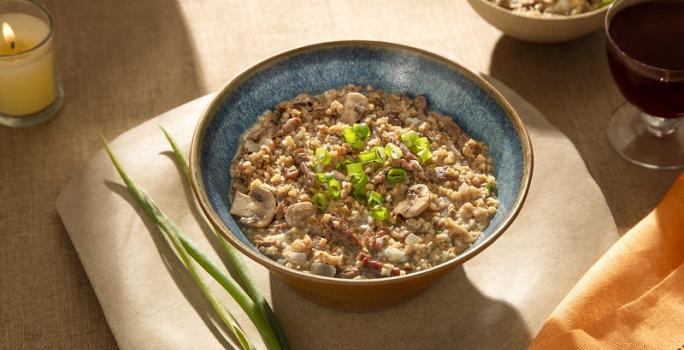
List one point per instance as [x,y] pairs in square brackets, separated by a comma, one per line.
[628,135]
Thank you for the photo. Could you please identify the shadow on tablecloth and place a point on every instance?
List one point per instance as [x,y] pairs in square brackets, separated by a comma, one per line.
[452,314]
[580,106]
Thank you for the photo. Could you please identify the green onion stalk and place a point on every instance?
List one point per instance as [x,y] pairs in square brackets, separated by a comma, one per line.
[234,259]
[185,250]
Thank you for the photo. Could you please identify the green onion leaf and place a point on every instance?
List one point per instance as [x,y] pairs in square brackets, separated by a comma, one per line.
[393,151]
[491,187]
[395,175]
[349,135]
[409,138]
[334,188]
[374,199]
[379,213]
[424,155]
[367,156]
[358,144]
[362,131]
[322,156]
[319,201]
[187,252]
[232,255]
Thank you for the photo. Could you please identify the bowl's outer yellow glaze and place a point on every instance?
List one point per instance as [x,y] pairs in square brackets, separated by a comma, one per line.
[539,29]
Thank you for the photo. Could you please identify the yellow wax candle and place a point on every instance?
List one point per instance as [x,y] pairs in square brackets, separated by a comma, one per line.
[27,79]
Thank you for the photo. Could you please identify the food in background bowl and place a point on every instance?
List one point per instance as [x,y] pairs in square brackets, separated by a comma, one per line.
[551,7]
[360,183]
[528,23]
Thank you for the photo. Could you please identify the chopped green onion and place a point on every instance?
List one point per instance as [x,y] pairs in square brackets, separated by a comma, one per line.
[322,156]
[342,166]
[349,135]
[359,182]
[379,213]
[362,131]
[421,143]
[323,178]
[409,138]
[374,199]
[334,188]
[354,168]
[319,201]
[367,156]
[424,155]
[393,151]
[380,154]
[491,187]
[395,175]
[358,144]
[356,135]
[360,196]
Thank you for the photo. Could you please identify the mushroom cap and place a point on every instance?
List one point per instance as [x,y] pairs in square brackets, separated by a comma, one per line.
[256,209]
[355,104]
[298,214]
[415,202]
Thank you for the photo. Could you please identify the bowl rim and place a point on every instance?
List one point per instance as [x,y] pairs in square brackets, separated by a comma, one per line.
[558,18]
[197,181]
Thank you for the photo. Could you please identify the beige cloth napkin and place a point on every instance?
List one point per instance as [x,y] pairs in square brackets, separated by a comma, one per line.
[499,299]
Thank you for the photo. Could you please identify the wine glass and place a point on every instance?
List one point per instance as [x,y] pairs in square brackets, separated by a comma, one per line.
[645,42]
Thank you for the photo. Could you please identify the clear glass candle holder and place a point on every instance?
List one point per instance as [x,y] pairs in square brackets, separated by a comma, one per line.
[30,88]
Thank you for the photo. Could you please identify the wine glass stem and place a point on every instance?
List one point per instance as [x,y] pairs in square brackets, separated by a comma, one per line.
[660,127]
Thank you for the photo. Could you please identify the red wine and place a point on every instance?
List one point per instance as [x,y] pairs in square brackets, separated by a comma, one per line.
[652,33]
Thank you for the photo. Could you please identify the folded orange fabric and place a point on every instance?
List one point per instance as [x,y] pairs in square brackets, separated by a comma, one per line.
[633,297]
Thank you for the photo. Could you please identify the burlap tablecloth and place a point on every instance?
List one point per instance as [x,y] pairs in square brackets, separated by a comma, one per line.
[499,299]
[125,61]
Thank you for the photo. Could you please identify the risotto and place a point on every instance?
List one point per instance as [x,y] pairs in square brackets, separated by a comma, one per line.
[360,183]
[551,7]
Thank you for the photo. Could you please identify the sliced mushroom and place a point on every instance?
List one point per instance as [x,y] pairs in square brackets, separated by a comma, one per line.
[415,203]
[256,209]
[355,105]
[298,214]
[323,269]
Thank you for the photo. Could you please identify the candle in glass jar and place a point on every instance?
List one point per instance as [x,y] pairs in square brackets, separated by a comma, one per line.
[27,77]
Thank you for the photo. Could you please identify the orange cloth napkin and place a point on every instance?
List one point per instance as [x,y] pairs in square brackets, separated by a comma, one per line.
[633,297]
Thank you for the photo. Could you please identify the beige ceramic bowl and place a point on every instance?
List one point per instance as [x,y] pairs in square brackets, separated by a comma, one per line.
[539,29]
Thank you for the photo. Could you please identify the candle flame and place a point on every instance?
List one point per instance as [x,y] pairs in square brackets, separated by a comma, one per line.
[8,33]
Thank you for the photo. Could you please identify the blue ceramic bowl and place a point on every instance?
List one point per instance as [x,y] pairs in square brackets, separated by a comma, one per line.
[450,89]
